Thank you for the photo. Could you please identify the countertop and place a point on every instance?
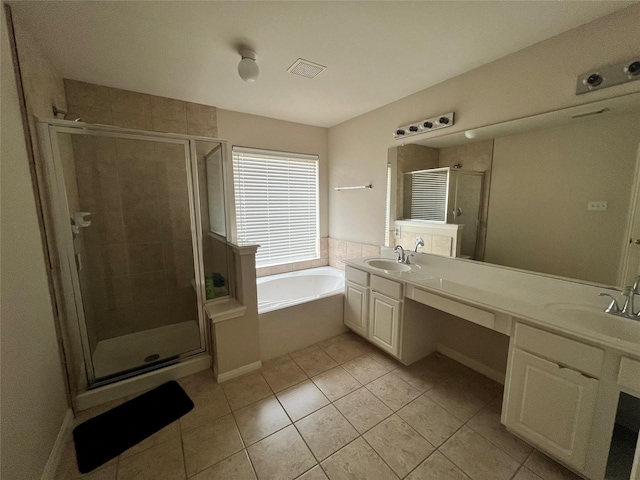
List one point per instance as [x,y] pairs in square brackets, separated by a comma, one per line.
[558,304]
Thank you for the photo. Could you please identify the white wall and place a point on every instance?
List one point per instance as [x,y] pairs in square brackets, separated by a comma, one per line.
[33,395]
[534,80]
[246,130]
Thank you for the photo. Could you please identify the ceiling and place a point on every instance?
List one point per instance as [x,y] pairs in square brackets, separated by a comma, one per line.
[375,52]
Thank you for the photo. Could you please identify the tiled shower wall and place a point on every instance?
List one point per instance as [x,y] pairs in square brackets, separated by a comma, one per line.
[138,249]
[123,108]
[139,253]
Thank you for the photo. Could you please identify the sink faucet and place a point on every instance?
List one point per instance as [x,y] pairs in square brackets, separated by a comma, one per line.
[627,310]
[402,256]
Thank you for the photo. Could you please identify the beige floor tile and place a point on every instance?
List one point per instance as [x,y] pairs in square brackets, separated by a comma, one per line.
[547,468]
[363,409]
[477,457]
[487,423]
[481,386]
[68,467]
[161,436]
[393,391]
[316,473]
[430,420]
[283,374]
[525,474]
[346,347]
[456,398]
[210,403]
[326,431]
[160,462]
[302,399]
[398,444]
[245,390]
[427,372]
[281,456]
[357,461]
[210,443]
[261,419]
[437,467]
[384,359]
[365,369]
[336,383]
[315,362]
[304,351]
[236,467]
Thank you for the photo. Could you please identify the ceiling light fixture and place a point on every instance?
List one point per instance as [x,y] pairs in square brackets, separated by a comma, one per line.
[248,68]
[470,134]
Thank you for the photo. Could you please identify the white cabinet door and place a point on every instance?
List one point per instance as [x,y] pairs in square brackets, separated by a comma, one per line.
[384,323]
[551,406]
[356,301]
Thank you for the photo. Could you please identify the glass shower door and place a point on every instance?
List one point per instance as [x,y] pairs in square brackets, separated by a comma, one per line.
[132,223]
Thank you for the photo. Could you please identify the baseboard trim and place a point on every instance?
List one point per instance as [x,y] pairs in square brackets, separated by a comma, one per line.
[223,377]
[471,363]
[51,467]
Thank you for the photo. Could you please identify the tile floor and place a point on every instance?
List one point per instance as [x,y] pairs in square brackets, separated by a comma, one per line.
[339,409]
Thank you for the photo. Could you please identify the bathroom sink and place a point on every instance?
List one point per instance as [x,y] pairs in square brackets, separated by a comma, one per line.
[587,317]
[388,265]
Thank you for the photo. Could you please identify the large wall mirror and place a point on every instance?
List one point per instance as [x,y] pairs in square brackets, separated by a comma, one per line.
[557,196]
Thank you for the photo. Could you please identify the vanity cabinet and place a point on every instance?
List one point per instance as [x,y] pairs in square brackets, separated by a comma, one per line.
[551,393]
[384,323]
[356,311]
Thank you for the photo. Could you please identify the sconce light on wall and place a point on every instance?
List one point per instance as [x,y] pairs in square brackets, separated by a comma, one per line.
[426,125]
[248,68]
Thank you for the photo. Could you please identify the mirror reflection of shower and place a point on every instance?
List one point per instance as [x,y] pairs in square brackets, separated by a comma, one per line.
[74,117]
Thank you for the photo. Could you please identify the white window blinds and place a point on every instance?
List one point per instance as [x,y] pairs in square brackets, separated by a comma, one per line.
[277,204]
[429,194]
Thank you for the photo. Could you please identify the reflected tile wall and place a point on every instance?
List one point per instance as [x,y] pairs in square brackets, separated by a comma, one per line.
[139,250]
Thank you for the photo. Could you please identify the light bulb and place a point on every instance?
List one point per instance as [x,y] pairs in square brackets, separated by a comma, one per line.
[248,68]
[470,134]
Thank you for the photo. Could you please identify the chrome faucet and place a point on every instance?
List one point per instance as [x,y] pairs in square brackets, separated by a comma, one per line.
[628,309]
[402,256]
[419,243]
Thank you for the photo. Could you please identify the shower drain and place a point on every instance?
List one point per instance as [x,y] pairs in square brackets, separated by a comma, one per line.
[151,358]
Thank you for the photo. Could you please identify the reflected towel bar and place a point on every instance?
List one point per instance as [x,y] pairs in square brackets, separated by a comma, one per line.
[359,187]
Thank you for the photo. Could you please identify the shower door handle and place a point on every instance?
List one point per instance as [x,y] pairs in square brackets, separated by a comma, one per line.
[78,261]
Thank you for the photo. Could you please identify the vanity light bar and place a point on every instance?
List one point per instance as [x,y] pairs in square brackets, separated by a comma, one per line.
[608,76]
[426,125]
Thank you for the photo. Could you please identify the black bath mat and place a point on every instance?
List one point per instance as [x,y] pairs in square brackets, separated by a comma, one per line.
[108,435]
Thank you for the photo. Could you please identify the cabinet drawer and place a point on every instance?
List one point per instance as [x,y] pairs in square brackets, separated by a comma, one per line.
[387,287]
[565,351]
[356,276]
[473,314]
[629,374]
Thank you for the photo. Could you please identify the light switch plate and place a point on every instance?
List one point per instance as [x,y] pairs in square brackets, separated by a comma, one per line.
[597,206]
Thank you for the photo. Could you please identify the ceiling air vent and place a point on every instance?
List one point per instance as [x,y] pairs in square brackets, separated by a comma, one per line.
[305,68]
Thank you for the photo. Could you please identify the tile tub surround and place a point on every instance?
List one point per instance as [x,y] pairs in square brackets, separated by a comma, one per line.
[323,261]
[124,108]
[340,250]
[245,429]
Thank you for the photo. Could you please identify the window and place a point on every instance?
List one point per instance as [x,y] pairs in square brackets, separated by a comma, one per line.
[427,197]
[277,204]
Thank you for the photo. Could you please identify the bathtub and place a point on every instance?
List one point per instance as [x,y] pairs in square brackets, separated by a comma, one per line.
[298,309]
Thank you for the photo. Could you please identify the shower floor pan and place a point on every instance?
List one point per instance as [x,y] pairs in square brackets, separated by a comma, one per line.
[134,350]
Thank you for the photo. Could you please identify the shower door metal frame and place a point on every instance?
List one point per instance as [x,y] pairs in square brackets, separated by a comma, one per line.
[63,237]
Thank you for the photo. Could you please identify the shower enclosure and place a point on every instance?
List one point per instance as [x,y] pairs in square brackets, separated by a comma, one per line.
[130,212]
